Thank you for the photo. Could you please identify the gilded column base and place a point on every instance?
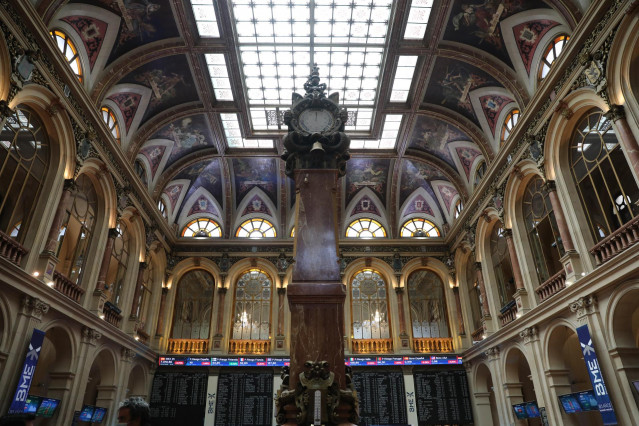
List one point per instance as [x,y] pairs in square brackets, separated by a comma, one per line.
[316,399]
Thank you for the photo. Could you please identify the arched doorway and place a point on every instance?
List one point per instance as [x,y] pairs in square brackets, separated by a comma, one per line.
[484,396]
[101,388]
[518,385]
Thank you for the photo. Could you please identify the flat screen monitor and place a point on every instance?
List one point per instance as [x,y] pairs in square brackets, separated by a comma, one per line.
[569,403]
[532,409]
[87,413]
[587,400]
[635,384]
[98,415]
[31,404]
[520,411]
[47,407]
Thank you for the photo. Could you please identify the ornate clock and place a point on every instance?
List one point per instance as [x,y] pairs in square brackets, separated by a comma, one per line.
[316,137]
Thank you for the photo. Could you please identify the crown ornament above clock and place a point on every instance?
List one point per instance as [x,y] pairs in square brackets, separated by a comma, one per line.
[315,138]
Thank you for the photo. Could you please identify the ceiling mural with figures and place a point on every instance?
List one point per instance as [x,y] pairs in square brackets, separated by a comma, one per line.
[182,86]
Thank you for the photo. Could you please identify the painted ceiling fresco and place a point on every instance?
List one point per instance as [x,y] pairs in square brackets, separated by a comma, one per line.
[170,82]
[477,23]
[255,173]
[452,81]
[367,173]
[142,22]
[167,77]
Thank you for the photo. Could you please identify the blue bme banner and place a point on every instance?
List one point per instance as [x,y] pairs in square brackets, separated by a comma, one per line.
[594,371]
[26,374]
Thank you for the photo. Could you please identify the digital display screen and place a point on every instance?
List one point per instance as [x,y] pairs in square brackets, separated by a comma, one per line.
[31,403]
[98,415]
[569,403]
[587,400]
[636,385]
[47,407]
[179,361]
[87,413]
[520,411]
[532,410]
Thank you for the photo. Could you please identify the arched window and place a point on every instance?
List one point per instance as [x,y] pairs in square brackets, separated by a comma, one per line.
[479,173]
[551,54]
[365,228]
[118,264]
[427,305]
[256,228]
[604,181]
[112,123]
[458,208]
[509,124]
[474,295]
[193,306]
[369,306]
[162,209]
[77,229]
[24,160]
[252,306]
[138,167]
[417,227]
[501,264]
[69,51]
[202,228]
[542,230]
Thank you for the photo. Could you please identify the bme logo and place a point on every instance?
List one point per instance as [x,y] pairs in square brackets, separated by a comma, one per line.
[28,369]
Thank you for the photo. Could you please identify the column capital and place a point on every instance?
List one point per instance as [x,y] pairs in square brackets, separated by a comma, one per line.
[550,186]
[127,354]
[281,290]
[90,336]
[529,334]
[34,307]
[478,266]
[70,185]
[399,290]
[113,232]
[616,112]
[222,290]
[165,290]
[492,353]
[143,265]
[508,233]
[584,306]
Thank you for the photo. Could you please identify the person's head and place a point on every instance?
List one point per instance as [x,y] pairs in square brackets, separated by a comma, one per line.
[134,412]
[17,420]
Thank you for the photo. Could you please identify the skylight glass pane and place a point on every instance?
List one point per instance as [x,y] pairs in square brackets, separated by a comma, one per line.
[219,76]
[278,41]
[205,18]
[234,137]
[418,19]
[390,130]
[403,78]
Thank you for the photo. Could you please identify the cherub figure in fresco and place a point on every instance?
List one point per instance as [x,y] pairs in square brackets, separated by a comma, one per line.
[482,19]
[185,135]
[163,86]
[457,84]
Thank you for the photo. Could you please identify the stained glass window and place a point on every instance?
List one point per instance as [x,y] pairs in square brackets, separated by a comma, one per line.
[70,52]
[552,52]
[256,228]
[369,306]
[252,307]
[509,124]
[365,228]
[202,228]
[193,306]
[427,305]
[417,227]
[109,118]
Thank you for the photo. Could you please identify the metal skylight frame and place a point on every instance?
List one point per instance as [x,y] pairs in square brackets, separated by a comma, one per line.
[219,74]
[278,40]
[390,131]
[233,133]
[404,74]
[205,18]
[418,16]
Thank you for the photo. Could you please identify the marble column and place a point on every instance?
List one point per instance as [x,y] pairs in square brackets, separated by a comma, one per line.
[514,260]
[106,259]
[460,317]
[219,327]
[560,218]
[485,310]
[626,138]
[281,292]
[159,329]
[404,338]
[139,284]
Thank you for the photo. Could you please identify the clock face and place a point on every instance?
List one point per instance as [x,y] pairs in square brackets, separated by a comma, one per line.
[316,120]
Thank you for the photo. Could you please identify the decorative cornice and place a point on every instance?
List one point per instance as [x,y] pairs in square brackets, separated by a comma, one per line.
[529,334]
[90,336]
[127,354]
[492,353]
[584,306]
[34,307]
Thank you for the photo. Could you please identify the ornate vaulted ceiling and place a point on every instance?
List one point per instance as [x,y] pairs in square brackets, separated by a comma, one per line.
[145,59]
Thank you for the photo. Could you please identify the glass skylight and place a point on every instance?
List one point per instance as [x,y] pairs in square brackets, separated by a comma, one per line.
[418,19]
[388,140]
[234,137]
[279,40]
[205,18]
[403,78]
[219,76]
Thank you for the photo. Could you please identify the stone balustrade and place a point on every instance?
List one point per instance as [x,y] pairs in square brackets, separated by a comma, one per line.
[255,347]
[616,242]
[552,286]
[187,346]
[112,314]
[142,336]
[433,344]
[372,346]
[508,314]
[478,335]
[10,249]
[67,287]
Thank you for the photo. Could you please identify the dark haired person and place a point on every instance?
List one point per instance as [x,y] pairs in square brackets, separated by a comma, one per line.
[134,411]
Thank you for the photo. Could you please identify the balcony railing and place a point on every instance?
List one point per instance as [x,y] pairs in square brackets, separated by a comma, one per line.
[112,314]
[552,286]
[142,336]
[616,242]
[478,335]
[67,287]
[372,346]
[10,249]
[188,346]
[435,344]
[256,347]
[508,313]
